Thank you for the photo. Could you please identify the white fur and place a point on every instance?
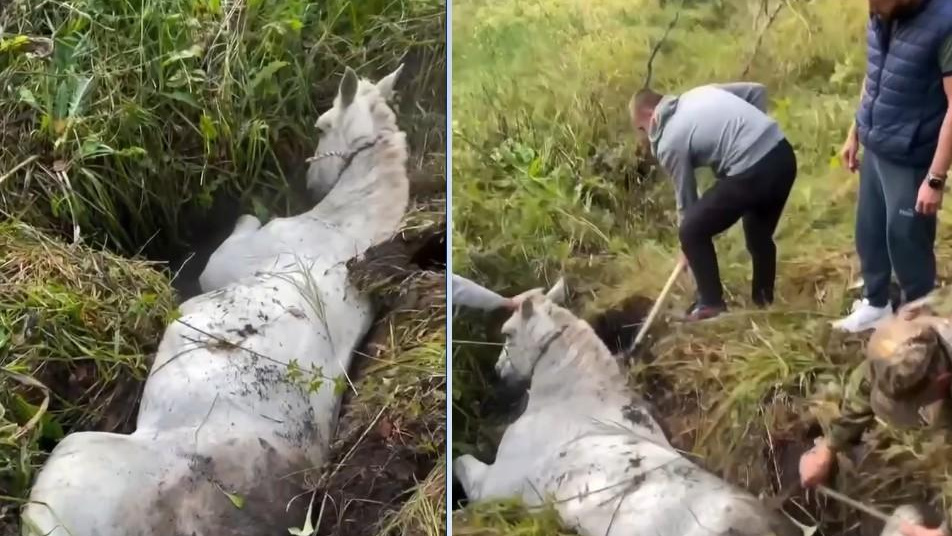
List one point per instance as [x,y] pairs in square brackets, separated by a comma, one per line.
[363,208]
[906,512]
[590,446]
[221,419]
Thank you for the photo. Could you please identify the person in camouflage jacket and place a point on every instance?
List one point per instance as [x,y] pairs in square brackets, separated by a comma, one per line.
[904,381]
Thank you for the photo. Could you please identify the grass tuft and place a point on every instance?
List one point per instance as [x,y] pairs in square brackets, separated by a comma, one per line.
[78,329]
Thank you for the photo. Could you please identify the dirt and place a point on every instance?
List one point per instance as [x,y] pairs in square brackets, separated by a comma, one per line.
[617,327]
[377,453]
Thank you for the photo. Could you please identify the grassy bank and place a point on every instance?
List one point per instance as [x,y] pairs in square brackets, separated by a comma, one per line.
[547,180]
[77,329]
[127,120]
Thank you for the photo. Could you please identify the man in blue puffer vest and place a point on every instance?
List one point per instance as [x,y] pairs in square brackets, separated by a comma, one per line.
[905,129]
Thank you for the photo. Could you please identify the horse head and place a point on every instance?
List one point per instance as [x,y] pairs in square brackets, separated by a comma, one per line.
[358,119]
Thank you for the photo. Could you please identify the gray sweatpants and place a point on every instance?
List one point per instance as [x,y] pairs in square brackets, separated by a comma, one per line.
[890,234]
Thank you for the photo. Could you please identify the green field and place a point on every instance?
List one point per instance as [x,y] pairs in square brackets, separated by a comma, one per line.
[547,181]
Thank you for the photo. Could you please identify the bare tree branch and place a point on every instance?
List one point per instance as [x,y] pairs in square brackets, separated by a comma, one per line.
[760,36]
[657,47]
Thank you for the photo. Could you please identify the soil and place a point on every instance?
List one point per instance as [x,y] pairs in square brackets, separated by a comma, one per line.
[617,327]
[377,455]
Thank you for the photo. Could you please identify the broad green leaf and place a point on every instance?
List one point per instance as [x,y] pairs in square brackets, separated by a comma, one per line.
[236,500]
[28,97]
[184,98]
[260,210]
[267,72]
[24,411]
[94,148]
[61,101]
[15,42]
[79,91]
[193,51]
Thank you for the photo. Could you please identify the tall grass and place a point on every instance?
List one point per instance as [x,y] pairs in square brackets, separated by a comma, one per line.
[147,108]
[548,180]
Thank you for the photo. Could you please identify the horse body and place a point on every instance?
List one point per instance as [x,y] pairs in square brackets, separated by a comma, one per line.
[244,393]
[587,446]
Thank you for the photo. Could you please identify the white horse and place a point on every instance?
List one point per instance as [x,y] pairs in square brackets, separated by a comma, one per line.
[358,212]
[245,390]
[591,448]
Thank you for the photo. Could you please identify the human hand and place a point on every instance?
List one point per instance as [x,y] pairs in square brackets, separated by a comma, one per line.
[909,529]
[849,154]
[929,200]
[815,465]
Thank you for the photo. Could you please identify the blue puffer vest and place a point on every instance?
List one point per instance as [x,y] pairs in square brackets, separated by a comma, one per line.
[904,102]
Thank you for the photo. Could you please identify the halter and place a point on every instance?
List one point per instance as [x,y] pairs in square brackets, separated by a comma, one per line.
[347,157]
[545,347]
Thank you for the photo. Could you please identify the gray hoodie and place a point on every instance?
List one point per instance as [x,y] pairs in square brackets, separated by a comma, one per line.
[469,294]
[723,126]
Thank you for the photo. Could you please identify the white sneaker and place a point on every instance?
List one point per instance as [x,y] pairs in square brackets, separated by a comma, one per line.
[863,316]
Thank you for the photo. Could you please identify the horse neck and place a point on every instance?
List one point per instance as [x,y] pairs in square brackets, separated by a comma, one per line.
[370,198]
[576,361]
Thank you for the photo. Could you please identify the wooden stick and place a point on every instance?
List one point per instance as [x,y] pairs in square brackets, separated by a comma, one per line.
[646,325]
[850,502]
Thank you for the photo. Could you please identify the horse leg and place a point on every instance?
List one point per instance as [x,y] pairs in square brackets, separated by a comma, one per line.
[219,270]
[246,224]
[471,474]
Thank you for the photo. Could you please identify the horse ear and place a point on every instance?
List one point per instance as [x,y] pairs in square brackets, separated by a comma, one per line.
[348,87]
[557,294]
[526,309]
[385,85]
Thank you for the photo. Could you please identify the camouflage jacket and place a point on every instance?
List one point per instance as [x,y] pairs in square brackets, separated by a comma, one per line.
[856,414]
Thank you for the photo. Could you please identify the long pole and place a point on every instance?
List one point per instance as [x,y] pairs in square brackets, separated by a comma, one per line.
[646,325]
[850,502]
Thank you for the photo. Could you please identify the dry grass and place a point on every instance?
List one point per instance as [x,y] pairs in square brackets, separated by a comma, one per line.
[77,331]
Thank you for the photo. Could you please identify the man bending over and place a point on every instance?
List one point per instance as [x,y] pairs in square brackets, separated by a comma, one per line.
[724,127]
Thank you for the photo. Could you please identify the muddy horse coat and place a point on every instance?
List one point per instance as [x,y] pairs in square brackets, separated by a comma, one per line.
[245,390]
[589,447]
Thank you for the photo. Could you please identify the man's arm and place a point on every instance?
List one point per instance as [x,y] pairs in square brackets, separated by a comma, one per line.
[943,153]
[470,294]
[677,163]
[856,415]
[751,92]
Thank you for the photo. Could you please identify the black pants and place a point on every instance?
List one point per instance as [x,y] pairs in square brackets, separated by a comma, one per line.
[757,196]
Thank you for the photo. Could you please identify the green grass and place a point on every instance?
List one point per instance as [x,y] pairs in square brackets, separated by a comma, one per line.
[146,108]
[547,181]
